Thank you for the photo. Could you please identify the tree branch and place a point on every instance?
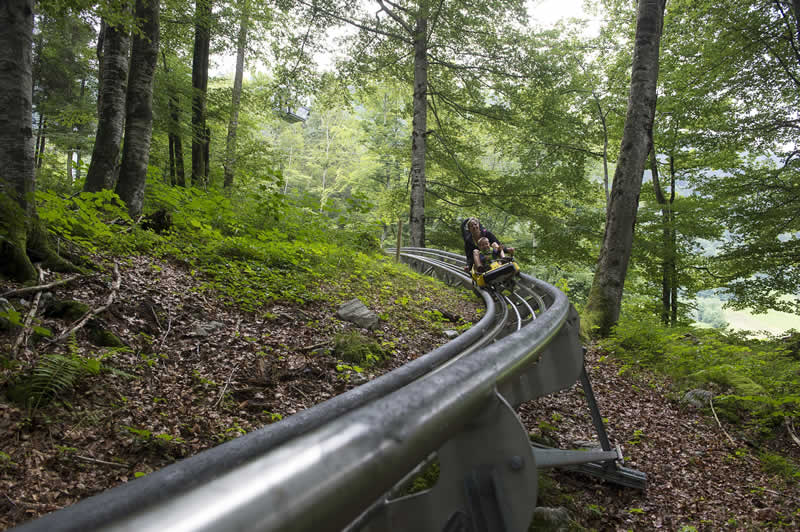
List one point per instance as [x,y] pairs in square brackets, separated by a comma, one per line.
[94,312]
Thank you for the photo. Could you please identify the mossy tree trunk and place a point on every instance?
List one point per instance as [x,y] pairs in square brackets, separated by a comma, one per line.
[22,236]
[16,137]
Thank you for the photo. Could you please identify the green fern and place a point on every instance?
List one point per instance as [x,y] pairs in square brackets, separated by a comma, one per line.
[55,374]
[52,375]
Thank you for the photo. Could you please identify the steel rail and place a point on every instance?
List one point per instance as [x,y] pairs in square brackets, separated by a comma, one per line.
[111,505]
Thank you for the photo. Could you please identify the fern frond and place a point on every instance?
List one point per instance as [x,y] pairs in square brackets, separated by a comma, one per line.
[51,376]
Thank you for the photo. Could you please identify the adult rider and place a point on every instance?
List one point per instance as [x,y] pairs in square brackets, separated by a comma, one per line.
[472,231]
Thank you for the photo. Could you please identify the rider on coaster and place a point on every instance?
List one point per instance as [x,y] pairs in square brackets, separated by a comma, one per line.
[472,231]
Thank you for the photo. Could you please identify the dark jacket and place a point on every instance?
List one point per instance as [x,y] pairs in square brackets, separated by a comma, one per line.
[470,245]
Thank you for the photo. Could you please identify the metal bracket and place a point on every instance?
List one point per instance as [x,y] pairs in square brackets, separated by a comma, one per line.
[558,367]
[487,481]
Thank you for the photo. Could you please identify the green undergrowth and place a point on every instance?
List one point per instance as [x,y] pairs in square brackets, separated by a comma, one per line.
[756,381]
[250,249]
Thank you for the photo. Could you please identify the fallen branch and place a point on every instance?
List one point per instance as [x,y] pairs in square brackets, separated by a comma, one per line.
[94,312]
[221,395]
[41,287]
[169,328]
[22,339]
[298,390]
[790,428]
[312,347]
[711,403]
[96,461]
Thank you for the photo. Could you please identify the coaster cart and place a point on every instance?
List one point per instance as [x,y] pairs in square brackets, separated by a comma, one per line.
[500,275]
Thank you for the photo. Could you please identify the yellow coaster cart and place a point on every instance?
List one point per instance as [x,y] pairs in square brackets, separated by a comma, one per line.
[500,275]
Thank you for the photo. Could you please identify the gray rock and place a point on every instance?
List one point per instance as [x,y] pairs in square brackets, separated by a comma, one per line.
[450,333]
[551,519]
[207,329]
[698,398]
[356,312]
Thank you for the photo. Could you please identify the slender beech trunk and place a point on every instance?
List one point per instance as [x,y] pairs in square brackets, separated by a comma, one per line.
[39,136]
[602,116]
[668,273]
[419,127]
[230,146]
[179,170]
[101,35]
[176,171]
[673,245]
[111,109]
[202,38]
[605,297]
[139,108]
[171,159]
[43,142]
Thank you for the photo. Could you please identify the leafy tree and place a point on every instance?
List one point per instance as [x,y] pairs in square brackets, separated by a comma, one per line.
[63,82]
[412,41]
[602,308]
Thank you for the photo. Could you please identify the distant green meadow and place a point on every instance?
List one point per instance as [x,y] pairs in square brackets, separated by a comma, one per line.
[773,322]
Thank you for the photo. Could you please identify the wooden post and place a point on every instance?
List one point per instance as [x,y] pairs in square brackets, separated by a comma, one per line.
[399,240]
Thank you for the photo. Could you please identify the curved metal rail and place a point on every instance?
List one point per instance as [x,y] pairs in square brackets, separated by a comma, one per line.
[320,469]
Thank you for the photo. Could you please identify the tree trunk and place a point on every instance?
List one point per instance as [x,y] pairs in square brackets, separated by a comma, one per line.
[111,112]
[17,205]
[139,108]
[39,136]
[667,252]
[202,38]
[419,127]
[206,154]
[171,159]
[101,35]
[230,147]
[22,236]
[176,172]
[605,297]
[43,139]
[181,175]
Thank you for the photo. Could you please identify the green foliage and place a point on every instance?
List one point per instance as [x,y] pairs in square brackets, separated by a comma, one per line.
[93,220]
[758,378]
[152,438]
[775,464]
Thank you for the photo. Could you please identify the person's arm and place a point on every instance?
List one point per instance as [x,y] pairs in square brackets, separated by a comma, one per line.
[476,258]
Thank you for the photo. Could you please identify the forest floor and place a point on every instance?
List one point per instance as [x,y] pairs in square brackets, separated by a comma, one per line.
[206,373]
